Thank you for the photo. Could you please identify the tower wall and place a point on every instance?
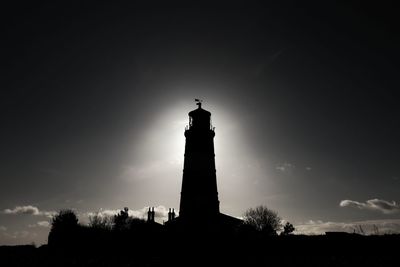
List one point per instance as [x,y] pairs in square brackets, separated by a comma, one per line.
[199,183]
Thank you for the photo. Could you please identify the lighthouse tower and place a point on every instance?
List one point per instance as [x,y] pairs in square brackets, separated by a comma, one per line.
[199,193]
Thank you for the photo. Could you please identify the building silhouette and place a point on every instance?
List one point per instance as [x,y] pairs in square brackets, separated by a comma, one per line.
[199,181]
[199,204]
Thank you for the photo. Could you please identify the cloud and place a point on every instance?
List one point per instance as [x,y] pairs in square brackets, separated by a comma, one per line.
[3,228]
[369,227]
[285,167]
[32,210]
[44,224]
[29,210]
[381,205]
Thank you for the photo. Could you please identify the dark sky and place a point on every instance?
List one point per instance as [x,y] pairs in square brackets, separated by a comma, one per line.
[94,101]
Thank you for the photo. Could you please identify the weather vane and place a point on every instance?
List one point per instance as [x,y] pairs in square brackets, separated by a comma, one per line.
[198,102]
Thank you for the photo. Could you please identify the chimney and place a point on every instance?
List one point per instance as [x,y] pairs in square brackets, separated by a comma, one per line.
[171,214]
[149,215]
[152,214]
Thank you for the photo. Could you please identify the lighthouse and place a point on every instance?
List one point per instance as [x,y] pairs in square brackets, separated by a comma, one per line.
[199,182]
[199,206]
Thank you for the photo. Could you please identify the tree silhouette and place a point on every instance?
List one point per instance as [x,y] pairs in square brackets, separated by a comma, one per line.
[288,229]
[98,221]
[121,220]
[263,219]
[65,219]
[64,226]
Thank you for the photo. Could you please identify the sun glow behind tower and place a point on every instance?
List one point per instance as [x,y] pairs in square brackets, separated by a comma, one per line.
[157,157]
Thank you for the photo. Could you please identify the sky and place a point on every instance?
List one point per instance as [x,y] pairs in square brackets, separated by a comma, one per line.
[94,101]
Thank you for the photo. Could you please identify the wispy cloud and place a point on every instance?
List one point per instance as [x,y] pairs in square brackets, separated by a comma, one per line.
[29,210]
[44,224]
[3,228]
[369,226]
[375,204]
[285,167]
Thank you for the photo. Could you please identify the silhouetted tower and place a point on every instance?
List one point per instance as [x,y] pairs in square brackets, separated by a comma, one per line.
[199,193]
[150,215]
